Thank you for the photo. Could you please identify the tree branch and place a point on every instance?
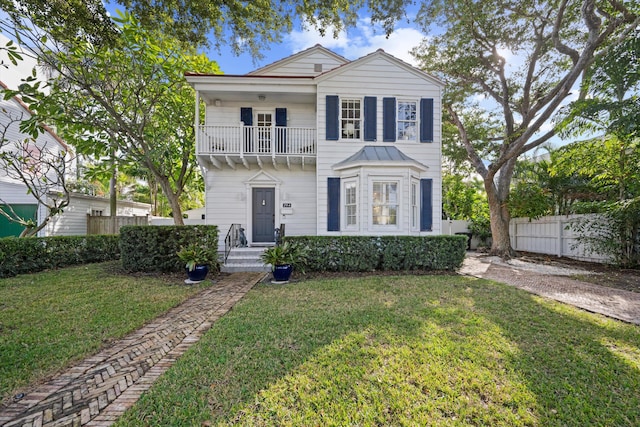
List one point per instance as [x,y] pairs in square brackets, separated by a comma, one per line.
[473,156]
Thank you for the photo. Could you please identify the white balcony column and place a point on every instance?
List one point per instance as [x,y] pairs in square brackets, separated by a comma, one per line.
[196,121]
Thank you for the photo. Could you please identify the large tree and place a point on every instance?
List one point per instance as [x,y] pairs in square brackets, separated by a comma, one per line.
[129,102]
[524,58]
[244,25]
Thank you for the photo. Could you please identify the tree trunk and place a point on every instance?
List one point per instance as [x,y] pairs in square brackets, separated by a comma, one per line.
[113,199]
[500,240]
[499,211]
[174,203]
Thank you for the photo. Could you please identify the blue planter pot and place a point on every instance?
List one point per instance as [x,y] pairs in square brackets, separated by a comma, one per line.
[198,273]
[282,273]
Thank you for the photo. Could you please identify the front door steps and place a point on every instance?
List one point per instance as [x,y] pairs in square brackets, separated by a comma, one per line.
[245,260]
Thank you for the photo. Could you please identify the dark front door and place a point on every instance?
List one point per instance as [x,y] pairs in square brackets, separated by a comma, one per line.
[263,214]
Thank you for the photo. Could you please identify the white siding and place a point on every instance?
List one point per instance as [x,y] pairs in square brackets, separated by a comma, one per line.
[228,199]
[73,221]
[298,115]
[11,113]
[15,193]
[302,65]
[379,77]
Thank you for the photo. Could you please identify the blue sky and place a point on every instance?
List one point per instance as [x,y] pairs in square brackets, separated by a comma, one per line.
[352,44]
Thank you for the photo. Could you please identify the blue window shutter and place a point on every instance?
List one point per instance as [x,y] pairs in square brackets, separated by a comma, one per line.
[333,204]
[370,126]
[281,116]
[426,205]
[246,116]
[426,120]
[388,119]
[281,134]
[332,118]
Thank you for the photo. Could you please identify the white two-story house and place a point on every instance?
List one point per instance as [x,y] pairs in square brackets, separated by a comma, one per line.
[322,145]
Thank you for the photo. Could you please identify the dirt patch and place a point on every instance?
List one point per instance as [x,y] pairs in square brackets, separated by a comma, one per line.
[598,274]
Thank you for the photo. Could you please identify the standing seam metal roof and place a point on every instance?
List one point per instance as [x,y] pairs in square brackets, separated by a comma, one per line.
[371,153]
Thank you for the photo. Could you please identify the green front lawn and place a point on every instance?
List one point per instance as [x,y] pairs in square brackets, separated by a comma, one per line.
[49,319]
[404,350]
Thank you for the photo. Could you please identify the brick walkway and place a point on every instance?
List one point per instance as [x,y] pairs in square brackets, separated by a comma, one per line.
[616,303]
[100,388]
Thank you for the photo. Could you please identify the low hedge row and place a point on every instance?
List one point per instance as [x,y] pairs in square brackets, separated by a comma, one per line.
[150,248]
[368,253]
[29,255]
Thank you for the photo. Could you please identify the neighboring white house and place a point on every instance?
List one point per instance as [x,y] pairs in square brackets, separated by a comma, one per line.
[324,145]
[13,192]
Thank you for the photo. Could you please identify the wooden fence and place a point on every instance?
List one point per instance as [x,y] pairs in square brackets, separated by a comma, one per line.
[107,225]
[550,235]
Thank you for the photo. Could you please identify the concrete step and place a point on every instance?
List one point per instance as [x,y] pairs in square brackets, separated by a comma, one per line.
[245,259]
[249,267]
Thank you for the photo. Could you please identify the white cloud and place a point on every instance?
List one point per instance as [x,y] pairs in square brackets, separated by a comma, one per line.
[360,41]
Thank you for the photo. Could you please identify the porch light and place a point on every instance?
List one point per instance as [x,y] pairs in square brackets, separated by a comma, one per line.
[261,97]
[217,102]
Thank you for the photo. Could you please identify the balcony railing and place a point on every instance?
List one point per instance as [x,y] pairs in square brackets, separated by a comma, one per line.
[257,140]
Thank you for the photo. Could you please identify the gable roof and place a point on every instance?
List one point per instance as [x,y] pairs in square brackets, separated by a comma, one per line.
[371,155]
[46,128]
[296,56]
[380,53]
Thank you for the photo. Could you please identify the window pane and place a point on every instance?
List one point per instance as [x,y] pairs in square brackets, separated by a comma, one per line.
[407,120]
[350,122]
[385,203]
[350,204]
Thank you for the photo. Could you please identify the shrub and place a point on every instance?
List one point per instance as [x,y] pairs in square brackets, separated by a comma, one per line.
[423,253]
[33,254]
[368,253]
[154,248]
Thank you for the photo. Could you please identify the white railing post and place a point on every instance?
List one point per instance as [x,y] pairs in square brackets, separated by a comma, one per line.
[273,140]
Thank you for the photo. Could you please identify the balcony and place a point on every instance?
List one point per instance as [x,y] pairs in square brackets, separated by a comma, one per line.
[256,145]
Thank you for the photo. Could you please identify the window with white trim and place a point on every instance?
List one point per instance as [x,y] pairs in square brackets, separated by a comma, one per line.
[350,118]
[384,207]
[351,204]
[414,205]
[407,120]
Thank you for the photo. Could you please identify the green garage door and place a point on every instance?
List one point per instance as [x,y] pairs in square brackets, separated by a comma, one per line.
[8,228]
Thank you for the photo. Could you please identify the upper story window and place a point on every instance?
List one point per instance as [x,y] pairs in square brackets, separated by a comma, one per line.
[350,118]
[407,120]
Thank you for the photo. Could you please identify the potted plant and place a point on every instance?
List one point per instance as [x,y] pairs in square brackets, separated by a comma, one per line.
[198,260]
[283,258]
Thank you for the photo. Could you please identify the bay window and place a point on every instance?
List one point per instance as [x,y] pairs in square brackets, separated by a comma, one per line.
[385,203]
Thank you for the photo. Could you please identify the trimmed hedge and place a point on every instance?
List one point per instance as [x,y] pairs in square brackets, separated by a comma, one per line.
[33,254]
[152,248]
[368,253]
